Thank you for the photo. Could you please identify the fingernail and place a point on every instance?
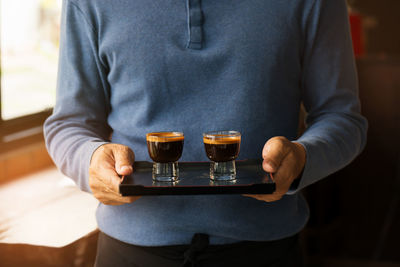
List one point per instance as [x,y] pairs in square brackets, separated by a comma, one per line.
[125,169]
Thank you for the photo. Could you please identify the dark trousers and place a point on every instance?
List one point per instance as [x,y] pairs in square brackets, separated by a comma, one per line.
[280,253]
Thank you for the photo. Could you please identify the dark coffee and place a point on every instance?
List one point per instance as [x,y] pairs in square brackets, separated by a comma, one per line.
[165,147]
[222,149]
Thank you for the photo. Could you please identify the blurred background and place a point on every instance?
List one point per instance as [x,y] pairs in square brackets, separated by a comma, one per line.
[46,221]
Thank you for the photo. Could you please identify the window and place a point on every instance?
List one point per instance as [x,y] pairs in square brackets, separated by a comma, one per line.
[29,53]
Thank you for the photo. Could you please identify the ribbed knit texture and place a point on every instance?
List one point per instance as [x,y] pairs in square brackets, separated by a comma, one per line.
[132,67]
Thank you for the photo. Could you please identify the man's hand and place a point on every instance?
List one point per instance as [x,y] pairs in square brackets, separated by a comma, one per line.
[109,161]
[286,161]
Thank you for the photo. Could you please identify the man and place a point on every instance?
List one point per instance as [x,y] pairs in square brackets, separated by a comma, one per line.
[132,67]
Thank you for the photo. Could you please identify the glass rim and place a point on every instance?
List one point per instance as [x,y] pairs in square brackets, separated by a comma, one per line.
[165,135]
[221,134]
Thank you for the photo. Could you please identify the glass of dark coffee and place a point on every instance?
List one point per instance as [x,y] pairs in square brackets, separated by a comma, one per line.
[222,148]
[165,148]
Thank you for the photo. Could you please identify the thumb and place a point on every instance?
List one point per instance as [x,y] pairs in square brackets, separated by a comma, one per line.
[124,158]
[274,151]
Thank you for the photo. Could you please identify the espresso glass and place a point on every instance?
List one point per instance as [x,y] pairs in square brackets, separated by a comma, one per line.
[165,148]
[222,148]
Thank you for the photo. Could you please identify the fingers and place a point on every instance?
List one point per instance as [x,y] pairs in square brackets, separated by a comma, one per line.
[286,160]
[124,158]
[108,196]
[274,151]
[267,198]
[111,197]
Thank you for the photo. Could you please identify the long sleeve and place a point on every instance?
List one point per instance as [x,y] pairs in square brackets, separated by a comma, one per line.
[125,66]
[336,131]
[78,124]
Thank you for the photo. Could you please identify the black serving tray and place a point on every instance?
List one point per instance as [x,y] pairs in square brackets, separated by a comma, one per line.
[194,179]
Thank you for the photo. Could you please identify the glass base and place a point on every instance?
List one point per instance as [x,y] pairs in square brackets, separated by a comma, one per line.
[165,183]
[165,172]
[223,171]
[222,182]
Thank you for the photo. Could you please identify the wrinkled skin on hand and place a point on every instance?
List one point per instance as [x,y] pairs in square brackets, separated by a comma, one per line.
[107,163]
[286,160]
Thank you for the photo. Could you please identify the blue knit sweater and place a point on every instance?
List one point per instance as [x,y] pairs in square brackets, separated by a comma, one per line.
[132,67]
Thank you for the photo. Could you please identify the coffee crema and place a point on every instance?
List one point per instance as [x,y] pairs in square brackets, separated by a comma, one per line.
[165,147]
[220,148]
